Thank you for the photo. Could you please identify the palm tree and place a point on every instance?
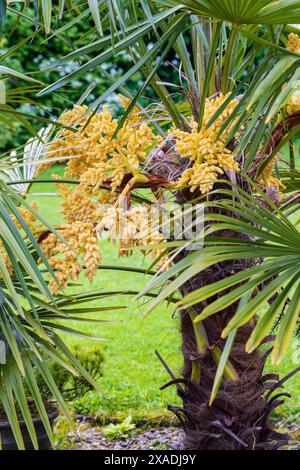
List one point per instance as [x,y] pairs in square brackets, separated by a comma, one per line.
[235,89]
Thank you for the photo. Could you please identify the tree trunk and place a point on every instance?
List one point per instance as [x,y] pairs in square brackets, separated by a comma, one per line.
[238,418]
[239,415]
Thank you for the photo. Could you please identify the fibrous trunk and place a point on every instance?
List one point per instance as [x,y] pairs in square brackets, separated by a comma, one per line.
[238,418]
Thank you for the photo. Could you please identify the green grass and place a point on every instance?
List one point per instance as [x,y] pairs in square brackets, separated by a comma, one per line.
[132,374]
[290,410]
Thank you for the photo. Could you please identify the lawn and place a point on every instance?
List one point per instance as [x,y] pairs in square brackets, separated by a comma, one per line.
[132,374]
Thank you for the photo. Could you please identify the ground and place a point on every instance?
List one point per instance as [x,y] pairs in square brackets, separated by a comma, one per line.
[92,438]
[132,374]
[159,438]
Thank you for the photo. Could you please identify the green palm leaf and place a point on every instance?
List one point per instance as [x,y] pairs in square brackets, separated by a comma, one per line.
[244,11]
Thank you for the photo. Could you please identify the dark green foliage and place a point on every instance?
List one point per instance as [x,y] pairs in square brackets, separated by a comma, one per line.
[71,387]
[38,53]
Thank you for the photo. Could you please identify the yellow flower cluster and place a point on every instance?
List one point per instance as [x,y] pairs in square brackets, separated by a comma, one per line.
[293,104]
[64,258]
[94,156]
[93,153]
[132,228]
[6,259]
[267,178]
[201,176]
[28,217]
[77,204]
[293,43]
[84,142]
[211,107]
[209,154]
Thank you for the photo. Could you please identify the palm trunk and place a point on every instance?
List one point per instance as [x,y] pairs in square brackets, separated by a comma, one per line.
[239,416]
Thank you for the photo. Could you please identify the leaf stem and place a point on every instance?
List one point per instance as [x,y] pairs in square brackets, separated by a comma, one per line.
[228,59]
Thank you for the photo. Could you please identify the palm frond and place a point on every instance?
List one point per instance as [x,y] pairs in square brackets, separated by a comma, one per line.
[258,233]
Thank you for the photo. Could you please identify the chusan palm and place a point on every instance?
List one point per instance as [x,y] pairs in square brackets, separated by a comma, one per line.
[215,142]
